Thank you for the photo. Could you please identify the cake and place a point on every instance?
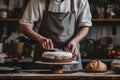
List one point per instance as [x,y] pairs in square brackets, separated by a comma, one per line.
[57,57]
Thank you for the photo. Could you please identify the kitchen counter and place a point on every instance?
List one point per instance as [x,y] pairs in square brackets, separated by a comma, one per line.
[41,75]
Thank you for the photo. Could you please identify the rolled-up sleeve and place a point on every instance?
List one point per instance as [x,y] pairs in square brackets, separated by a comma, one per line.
[84,18]
[31,14]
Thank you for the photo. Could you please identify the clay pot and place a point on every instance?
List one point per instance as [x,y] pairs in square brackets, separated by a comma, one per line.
[107,42]
[19,46]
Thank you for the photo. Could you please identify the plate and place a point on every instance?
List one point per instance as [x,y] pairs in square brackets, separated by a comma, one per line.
[57,63]
[4,69]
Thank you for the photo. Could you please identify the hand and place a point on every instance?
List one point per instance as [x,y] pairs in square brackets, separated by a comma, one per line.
[72,47]
[46,43]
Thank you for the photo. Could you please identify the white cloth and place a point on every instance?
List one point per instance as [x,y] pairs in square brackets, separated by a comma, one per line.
[35,8]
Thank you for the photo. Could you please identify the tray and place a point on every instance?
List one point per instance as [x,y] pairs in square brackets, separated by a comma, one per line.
[57,63]
[4,69]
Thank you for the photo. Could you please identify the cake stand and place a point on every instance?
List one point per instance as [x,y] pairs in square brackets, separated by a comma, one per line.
[57,67]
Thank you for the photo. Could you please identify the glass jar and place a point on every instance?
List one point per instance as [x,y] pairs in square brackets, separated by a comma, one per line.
[115,65]
[3,13]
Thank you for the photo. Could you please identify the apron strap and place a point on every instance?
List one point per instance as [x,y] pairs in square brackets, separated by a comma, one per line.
[47,5]
[48,2]
[46,9]
[72,6]
[45,13]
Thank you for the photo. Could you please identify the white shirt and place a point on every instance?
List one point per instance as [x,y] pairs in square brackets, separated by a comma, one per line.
[35,8]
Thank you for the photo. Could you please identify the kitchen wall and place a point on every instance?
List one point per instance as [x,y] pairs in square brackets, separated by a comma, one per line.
[96,32]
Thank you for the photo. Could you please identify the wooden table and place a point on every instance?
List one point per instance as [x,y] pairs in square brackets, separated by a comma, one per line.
[64,76]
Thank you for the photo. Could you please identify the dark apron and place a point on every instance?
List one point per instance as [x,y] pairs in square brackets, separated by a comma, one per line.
[60,27]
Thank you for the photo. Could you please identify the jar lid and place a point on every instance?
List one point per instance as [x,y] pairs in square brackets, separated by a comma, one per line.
[116,61]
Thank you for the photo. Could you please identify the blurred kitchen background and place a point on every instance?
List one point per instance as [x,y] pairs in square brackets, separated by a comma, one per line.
[102,42]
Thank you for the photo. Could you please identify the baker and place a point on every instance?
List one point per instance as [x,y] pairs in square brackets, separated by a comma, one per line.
[62,25]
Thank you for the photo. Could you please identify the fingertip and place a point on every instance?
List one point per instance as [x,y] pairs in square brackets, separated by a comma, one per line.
[51,44]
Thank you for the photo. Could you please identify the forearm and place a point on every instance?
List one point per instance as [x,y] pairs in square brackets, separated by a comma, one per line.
[81,34]
[26,30]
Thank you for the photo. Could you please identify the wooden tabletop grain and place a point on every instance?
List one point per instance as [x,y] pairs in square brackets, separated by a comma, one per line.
[41,75]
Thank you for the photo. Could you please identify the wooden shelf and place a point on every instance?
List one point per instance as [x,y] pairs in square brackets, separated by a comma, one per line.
[27,60]
[111,22]
[100,22]
[9,19]
[95,20]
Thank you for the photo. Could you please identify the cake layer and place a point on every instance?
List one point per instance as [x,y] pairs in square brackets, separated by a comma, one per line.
[56,60]
[57,55]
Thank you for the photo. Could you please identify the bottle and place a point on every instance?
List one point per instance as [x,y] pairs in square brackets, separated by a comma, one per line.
[3,13]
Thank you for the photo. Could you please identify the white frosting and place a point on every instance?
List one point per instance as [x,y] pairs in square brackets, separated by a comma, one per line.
[57,55]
